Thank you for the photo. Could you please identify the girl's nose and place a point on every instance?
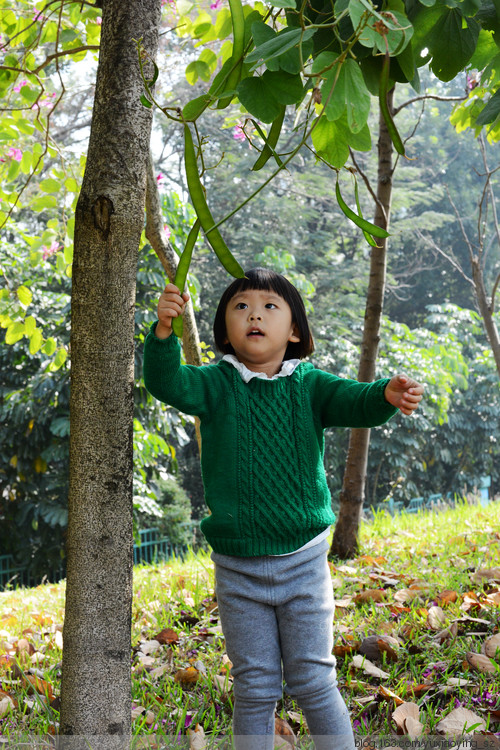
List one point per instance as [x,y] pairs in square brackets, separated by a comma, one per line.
[254,316]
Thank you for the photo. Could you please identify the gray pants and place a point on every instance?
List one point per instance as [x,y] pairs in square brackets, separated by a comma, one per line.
[277,618]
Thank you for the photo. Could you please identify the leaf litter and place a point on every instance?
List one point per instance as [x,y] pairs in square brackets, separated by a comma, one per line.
[417,642]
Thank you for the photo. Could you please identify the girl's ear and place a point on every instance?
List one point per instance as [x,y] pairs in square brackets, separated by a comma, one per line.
[294,337]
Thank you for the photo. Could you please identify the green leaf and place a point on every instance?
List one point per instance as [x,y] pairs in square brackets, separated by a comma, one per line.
[194,108]
[197,69]
[50,185]
[145,102]
[357,98]
[29,325]
[282,3]
[286,88]
[36,341]
[26,162]
[45,201]
[491,111]
[59,359]
[262,33]
[360,141]
[257,98]
[49,347]
[330,141]
[14,333]
[24,295]
[452,43]
[284,41]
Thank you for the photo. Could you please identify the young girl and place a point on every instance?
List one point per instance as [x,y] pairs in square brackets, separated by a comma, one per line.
[262,415]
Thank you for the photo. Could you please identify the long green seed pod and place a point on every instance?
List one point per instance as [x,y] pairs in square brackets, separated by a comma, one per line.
[203,212]
[182,271]
[372,229]
[238,22]
[367,236]
[384,108]
[270,143]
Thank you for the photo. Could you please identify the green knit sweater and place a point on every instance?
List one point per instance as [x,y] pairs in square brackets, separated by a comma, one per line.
[262,444]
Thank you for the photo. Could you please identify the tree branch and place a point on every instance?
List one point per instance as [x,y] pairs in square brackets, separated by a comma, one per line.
[449,257]
[428,96]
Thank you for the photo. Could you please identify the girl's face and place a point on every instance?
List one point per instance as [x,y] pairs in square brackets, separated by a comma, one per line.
[258,327]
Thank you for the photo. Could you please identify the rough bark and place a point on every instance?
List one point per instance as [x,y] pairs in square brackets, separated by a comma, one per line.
[96,679]
[345,537]
[486,310]
[168,258]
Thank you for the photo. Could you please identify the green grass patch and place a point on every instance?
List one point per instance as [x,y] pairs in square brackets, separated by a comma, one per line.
[417,636]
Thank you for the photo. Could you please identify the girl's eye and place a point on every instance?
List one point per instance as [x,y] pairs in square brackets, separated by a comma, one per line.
[271,305]
[241,305]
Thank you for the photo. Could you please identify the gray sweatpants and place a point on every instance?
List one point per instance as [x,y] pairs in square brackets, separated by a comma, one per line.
[277,619]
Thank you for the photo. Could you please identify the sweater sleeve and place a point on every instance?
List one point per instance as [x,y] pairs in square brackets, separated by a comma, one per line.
[186,387]
[341,402]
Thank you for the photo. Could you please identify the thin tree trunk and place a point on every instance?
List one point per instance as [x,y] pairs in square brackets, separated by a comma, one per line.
[345,537]
[96,679]
[485,309]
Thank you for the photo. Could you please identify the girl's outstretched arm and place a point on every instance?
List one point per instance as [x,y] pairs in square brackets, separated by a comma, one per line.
[404,393]
[170,305]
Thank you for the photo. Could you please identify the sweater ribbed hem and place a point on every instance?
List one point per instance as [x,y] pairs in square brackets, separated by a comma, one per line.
[261,547]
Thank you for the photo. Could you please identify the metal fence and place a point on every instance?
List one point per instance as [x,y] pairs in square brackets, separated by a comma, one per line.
[149,549]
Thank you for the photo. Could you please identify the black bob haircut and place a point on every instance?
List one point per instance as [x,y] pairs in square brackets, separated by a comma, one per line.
[265,279]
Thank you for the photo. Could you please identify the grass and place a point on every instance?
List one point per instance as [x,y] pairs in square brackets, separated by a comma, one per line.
[426,581]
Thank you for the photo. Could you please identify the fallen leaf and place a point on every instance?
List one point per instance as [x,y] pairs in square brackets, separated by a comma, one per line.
[167,636]
[197,739]
[360,662]
[187,677]
[388,694]
[481,663]
[448,596]
[493,598]
[149,647]
[370,595]
[406,719]
[448,634]
[460,721]
[6,705]
[457,682]
[374,645]
[492,646]
[489,574]
[406,595]
[39,686]
[283,733]
[223,684]
[436,618]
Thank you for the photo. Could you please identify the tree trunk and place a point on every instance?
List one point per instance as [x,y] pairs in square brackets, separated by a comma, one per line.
[345,537]
[485,309]
[96,679]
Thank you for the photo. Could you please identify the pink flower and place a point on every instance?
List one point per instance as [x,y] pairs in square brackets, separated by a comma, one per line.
[160,178]
[238,133]
[216,5]
[48,251]
[98,21]
[15,153]
[167,230]
[19,86]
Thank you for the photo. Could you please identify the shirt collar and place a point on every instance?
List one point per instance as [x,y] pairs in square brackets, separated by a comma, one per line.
[287,368]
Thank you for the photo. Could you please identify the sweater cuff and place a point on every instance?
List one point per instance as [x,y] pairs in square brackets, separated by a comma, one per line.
[389,408]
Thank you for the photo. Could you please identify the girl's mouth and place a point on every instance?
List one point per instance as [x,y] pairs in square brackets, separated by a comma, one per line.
[255,332]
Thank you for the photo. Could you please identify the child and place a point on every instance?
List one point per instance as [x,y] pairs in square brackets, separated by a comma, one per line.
[262,415]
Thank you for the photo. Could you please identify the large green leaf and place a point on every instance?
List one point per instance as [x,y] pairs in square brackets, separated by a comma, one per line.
[452,42]
[263,95]
[257,98]
[330,141]
[357,98]
[285,40]
[491,111]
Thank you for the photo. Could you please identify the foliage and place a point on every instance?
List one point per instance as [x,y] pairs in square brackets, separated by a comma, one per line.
[175,511]
[417,586]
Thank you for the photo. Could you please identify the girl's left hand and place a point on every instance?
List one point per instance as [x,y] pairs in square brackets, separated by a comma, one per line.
[404,393]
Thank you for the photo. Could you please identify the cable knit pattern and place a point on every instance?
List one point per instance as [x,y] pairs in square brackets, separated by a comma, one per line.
[262,444]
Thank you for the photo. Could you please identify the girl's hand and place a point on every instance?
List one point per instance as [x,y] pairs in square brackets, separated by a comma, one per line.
[170,305]
[404,393]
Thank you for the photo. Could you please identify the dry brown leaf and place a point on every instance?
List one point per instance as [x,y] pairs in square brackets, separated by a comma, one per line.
[167,636]
[370,595]
[406,595]
[6,705]
[436,618]
[448,634]
[489,574]
[492,646]
[39,686]
[403,712]
[187,677]
[457,682]
[360,662]
[23,646]
[345,602]
[459,721]
[373,645]
[413,728]
[493,598]
[448,596]
[149,647]
[197,740]
[344,649]
[388,694]
[283,733]
[223,684]
[481,663]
